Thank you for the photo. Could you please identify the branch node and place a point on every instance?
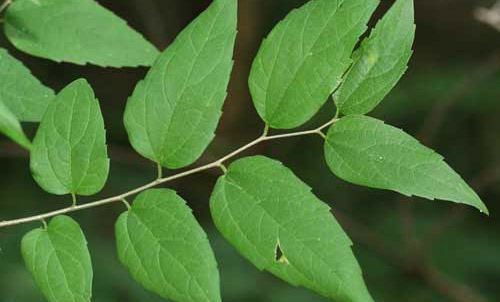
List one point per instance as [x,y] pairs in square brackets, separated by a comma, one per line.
[223,168]
[126,203]
[160,179]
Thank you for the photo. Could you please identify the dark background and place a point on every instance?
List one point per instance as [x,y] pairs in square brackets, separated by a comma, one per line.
[409,249]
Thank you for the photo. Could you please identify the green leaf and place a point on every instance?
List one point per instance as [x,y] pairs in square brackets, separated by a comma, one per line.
[10,126]
[380,62]
[76,31]
[20,91]
[367,152]
[166,250]
[304,57]
[59,261]
[69,150]
[274,220]
[172,114]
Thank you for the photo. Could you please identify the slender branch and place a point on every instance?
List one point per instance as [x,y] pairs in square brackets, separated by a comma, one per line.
[415,264]
[453,290]
[440,111]
[216,164]
[416,247]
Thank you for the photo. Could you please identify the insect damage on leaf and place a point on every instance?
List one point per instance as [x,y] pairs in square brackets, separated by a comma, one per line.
[279,256]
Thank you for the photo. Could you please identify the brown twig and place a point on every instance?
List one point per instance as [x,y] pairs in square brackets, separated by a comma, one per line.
[439,112]
[152,18]
[435,120]
[448,288]
[416,247]
[415,264]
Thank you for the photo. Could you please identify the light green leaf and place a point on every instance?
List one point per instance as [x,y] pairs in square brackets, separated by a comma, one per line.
[59,261]
[274,220]
[166,250]
[69,150]
[76,31]
[380,62]
[20,91]
[367,152]
[172,114]
[303,59]
[10,126]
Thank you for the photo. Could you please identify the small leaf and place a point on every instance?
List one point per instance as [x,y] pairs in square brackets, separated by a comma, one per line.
[172,114]
[75,31]
[365,151]
[10,126]
[274,220]
[20,91]
[380,62]
[304,57]
[59,261]
[166,250]
[69,150]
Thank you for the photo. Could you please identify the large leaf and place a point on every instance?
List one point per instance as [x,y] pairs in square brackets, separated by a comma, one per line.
[166,250]
[75,31]
[69,150]
[20,91]
[10,126]
[380,62]
[367,152]
[303,59]
[274,220]
[59,261]
[172,114]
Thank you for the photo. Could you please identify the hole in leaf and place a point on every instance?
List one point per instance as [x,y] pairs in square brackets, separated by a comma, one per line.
[278,253]
[279,256]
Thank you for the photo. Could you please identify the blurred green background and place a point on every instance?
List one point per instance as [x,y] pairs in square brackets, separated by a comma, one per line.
[409,249]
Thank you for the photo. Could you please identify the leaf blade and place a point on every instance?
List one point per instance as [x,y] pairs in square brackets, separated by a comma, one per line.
[69,152]
[181,266]
[59,29]
[380,62]
[10,126]
[261,208]
[302,60]
[367,152]
[69,276]
[20,91]
[172,114]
